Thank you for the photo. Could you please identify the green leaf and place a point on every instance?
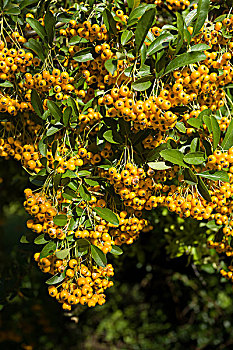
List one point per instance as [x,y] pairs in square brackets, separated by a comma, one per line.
[143,83]
[185,59]
[40,239]
[116,250]
[159,43]
[107,215]
[84,193]
[98,256]
[39,29]
[108,135]
[195,145]
[213,127]
[126,36]
[60,220]
[218,175]
[158,165]
[142,28]
[202,12]
[49,21]
[132,4]
[216,131]
[203,190]
[6,84]
[71,102]
[155,153]
[195,158]
[55,111]
[180,27]
[62,254]
[53,130]
[48,249]
[228,139]
[36,46]
[58,278]
[66,116]
[195,122]
[77,40]
[36,103]
[111,65]
[83,55]
[174,156]
[190,177]
[26,3]
[109,21]
[13,10]
[180,126]
[138,12]
[200,47]
[84,173]
[82,242]
[24,239]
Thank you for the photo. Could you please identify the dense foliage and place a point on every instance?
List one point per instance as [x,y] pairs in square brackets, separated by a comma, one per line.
[120,116]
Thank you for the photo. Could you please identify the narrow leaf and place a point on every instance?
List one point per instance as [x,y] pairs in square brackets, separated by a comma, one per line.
[107,215]
[143,26]
[98,256]
[185,59]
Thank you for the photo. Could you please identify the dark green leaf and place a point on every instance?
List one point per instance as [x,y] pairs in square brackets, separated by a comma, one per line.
[71,102]
[228,139]
[203,190]
[185,59]
[194,158]
[55,111]
[109,21]
[126,36]
[200,47]
[84,193]
[98,256]
[108,135]
[26,3]
[39,29]
[174,156]
[143,26]
[36,46]
[143,83]
[12,10]
[83,55]
[195,122]
[116,250]
[56,278]
[36,103]
[52,130]
[107,215]
[138,12]
[60,220]
[202,12]
[49,21]
[218,175]
[190,177]
[48,249]
[159,43]
[66,116]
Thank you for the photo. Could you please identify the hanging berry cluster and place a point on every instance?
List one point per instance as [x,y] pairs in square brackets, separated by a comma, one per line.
[114,111]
